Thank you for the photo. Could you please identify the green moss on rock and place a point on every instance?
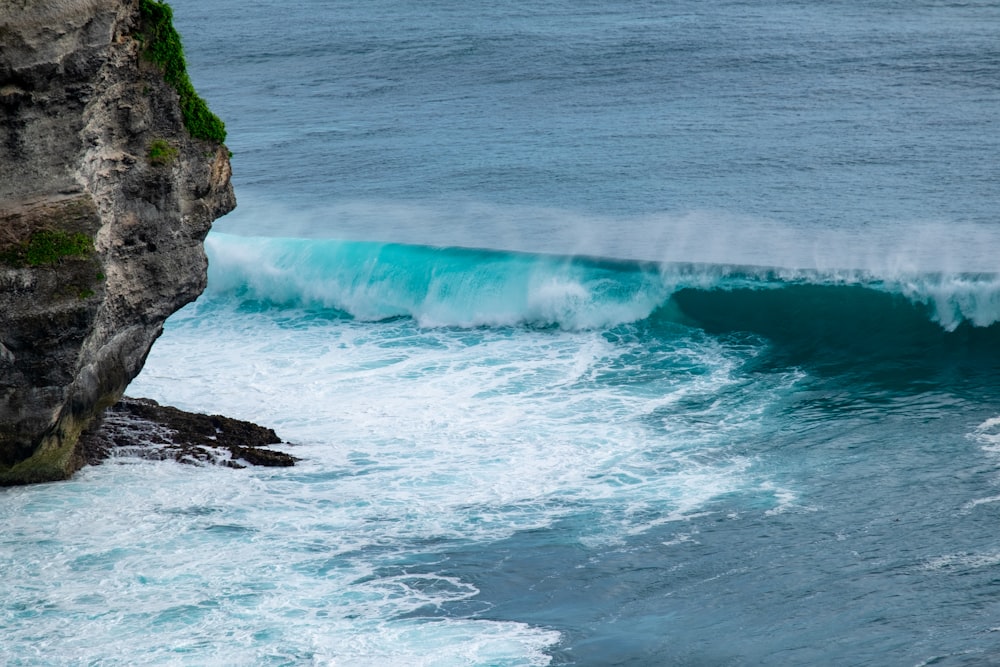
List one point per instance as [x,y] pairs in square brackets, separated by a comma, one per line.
[162,46]
[161,152]
[56,459]
[48,246]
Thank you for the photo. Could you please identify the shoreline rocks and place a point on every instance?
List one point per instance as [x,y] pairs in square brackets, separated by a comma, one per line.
[143,428]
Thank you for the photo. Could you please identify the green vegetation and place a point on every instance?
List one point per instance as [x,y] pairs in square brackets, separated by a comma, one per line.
[161,152]
[53,459]
[46,465]
[48,247]
[162,45]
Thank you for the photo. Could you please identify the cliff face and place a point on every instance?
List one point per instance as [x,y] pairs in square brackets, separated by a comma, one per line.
[105,200]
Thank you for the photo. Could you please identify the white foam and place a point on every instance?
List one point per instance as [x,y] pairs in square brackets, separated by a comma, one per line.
[988,434]
[963,561]
[972,504]
[411,438]
[785,498]
[219,568]
[475,433]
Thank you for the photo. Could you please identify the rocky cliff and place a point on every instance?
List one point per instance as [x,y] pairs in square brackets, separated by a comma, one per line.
[105,199]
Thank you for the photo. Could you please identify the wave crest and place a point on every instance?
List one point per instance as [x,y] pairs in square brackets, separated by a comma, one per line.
[435,286]
[469,287]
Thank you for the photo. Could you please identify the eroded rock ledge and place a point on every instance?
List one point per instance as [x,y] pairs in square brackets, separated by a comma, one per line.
[105,200]
[143,428]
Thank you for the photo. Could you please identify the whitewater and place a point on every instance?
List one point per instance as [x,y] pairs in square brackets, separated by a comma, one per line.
[606,333]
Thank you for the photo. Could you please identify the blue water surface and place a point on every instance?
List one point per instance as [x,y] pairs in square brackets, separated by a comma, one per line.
[609,333]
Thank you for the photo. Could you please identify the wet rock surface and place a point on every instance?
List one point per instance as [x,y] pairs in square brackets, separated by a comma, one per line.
[143,428]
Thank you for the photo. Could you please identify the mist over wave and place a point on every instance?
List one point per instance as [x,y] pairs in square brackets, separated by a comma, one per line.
[688,236]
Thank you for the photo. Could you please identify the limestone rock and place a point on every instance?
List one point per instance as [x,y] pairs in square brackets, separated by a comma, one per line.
[105,200]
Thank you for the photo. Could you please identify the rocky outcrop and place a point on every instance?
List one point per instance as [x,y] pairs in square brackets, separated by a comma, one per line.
[141,428]
[105,199]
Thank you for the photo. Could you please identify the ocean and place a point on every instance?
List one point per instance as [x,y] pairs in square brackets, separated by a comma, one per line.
[608,333]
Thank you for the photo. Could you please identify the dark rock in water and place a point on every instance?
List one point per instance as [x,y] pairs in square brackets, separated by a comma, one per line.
[144,428]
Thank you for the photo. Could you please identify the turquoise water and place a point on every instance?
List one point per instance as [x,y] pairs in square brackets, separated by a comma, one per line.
[608,333]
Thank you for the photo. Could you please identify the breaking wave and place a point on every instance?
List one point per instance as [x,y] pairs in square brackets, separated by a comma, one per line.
[470,287]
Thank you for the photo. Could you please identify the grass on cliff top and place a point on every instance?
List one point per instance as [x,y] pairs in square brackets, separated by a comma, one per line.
[162,45]
[48,247]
